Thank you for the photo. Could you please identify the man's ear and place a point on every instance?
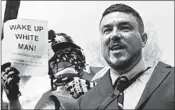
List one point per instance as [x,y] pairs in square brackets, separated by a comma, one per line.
[144,39]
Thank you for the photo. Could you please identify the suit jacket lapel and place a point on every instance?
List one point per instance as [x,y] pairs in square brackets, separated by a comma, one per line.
[159,74]
[106,89]
[105,85]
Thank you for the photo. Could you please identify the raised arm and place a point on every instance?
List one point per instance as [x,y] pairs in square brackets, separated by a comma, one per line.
[9,83]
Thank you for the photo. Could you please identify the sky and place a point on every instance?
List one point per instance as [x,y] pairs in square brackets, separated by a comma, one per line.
[80,19]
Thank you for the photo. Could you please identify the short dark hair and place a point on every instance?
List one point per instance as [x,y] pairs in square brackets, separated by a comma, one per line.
[125,9]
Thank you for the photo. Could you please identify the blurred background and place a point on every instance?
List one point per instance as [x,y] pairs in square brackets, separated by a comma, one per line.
[80,20]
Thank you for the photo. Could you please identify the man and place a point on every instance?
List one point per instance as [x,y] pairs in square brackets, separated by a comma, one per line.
[130,83]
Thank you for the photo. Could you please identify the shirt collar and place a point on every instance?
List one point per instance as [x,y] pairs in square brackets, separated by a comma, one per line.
[140,66]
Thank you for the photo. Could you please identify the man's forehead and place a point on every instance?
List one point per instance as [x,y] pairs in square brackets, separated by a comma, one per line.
[117,17]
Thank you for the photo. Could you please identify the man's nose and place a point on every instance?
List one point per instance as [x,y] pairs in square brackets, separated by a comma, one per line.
[115,35]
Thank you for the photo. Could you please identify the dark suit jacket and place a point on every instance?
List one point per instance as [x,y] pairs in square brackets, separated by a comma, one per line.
[158,93]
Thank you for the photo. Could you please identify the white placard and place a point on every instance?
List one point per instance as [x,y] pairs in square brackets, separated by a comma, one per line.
[25,45]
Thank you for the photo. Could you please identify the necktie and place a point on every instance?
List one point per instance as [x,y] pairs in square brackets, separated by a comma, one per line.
[120,84]
[120,100]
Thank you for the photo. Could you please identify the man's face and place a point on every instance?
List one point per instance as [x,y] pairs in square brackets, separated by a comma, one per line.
[121,40]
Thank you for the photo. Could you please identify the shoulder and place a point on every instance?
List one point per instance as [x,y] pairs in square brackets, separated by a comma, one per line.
[89,100]
[44,98]
[162,64]
[96,95]
[164,67]
[167,82]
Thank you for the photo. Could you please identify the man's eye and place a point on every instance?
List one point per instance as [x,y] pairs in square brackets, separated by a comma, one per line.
[107,30]
[125,28]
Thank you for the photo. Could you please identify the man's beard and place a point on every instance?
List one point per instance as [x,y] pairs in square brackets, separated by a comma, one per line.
[127,64]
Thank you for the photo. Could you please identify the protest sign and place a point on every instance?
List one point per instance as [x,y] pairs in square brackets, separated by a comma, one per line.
[25,45]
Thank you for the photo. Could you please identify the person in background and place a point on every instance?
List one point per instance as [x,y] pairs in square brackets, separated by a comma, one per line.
[129,83]
[69,80]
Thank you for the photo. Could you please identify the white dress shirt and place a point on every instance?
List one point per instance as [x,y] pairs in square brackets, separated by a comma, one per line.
[133,93]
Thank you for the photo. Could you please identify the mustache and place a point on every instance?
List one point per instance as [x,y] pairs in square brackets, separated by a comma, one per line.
[113,46]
